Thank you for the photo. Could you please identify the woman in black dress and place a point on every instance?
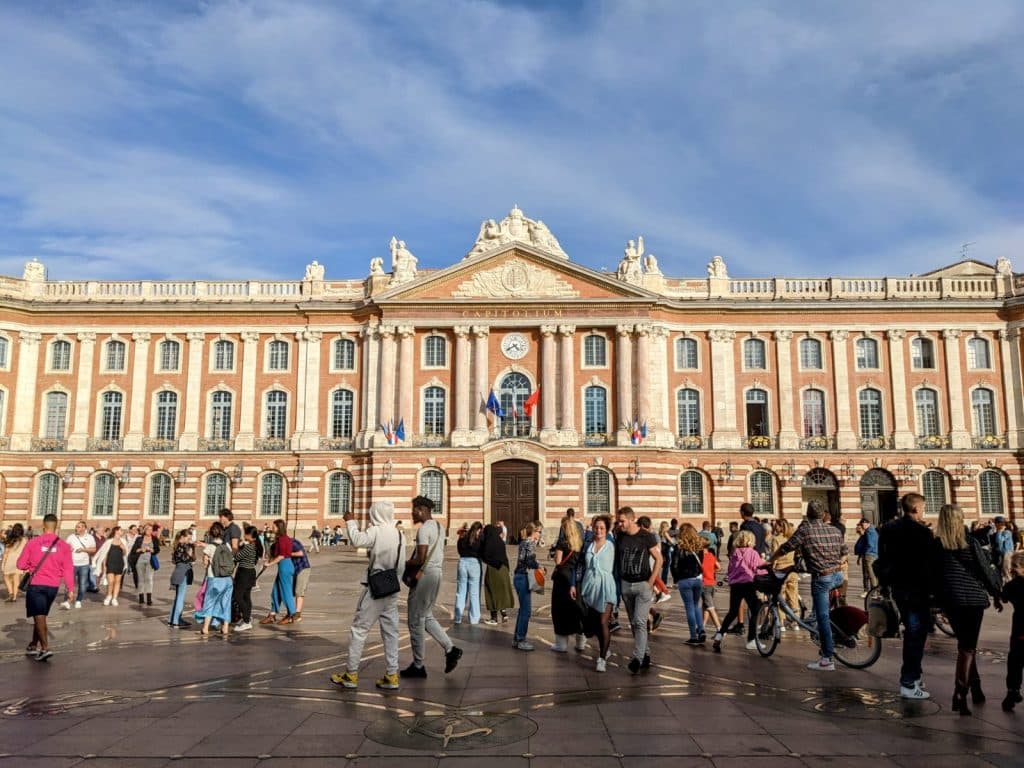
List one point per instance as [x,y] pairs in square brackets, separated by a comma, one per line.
[114,563]
[565,612]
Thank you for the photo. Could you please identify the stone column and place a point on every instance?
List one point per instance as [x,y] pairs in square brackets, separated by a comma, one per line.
[959,436]
[723,386]
[193,392]
[246,439]
[79,438]
[307,392]
[25,390]
[481,380]
[659,431]
[549,392]
[568,378]
[1009,356]
[846,438]
[386,408]
[643,377]
[139,394]
[789,438]
[406,371]
[368,393]
[623,419]
[903,436]
[462,382]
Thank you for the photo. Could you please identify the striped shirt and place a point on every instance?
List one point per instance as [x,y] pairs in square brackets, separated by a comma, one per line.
[245,557]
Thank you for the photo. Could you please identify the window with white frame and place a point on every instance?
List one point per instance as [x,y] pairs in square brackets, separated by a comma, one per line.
[757,413]
[432,486]
[277,355]
[276,427]
[691,493]
[339,494]
[595,351]
[688,413]
[990,491]
[47,494]
[341,413]
[110,416]
[170,355]
[686,354]
[978,353]
[595,410]
[5,347]
[166,415]
[271,495]
[433,411]
[215,494]
[814,413]
[983,409]
[220,416]
[115,355]
[933,488]
[599,496]
[869,404]
[60,355]
[810,354]
[223,355]
[104,489]
[754,355]
[866,352]
[762,493]
[926,409]
[56,416]
[922,353]
[344,355]
[435,350]
[159,494]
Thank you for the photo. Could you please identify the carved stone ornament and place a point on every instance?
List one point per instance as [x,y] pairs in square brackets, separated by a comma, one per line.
[314,271]
[515,278]
[716,268]
[511,448]
[34,272]
[1003,266]
[515,228]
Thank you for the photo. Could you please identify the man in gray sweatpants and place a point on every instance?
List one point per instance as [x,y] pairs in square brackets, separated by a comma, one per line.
[429,555]
[637,565]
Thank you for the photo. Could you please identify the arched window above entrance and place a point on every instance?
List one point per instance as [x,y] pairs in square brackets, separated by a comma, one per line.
[513,392]
[819,478]
[599,498]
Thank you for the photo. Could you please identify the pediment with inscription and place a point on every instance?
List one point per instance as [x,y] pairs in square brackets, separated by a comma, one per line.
[515,278]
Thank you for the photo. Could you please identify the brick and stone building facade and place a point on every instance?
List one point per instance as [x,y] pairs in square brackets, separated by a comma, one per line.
[134,400]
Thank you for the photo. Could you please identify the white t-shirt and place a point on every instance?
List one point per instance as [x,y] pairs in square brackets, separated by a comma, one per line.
[427,535]
[76,542]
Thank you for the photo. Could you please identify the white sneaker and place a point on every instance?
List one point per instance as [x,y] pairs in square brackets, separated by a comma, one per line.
[107,599]
[823,665]
[243,626]
[523,645]
[664,596]
[914,692]
[78,603]
[751,645]
[602,665]
[66,605]
[560,646]
[581,643]
[782,628]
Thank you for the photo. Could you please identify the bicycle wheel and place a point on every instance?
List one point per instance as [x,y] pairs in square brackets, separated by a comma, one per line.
[859,650]
[942,624]
[766,631]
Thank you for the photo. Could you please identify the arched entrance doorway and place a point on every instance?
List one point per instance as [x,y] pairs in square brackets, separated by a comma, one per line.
[514,495]
[878,496]
[821,484]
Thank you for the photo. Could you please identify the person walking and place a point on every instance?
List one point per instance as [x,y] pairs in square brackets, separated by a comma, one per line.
[83,547]
[182,557]
[964,580]
[467,584]
[743,564]
[1013,593]
[901,544]
[526,561]
[565,611]
[709,567]
[110,562]
[314,538]
[146,547]
[13,546]
[1002,546]
[790,592]
[386,549]
[866,550]
[598,590]
[303,570]
[667,545]
[498,596]
[283,593]
[429,557]
[246,558]
[687,572]
[637,565]
[48,560]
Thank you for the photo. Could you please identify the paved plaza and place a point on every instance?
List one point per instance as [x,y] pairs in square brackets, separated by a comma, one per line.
[124,689]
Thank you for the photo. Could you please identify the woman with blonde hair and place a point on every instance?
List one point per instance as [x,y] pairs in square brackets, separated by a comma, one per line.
[790,594]
[565,612]
[964,579]
[12,551]
[689,577]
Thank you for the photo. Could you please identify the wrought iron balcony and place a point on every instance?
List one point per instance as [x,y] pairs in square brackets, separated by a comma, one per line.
[818,443]
[429,441]
[48,444]
[99,444]
[215,445]
[881,443]
[982,442]
[271,444]
[693,442]
[159,444]
[336,443]
[933,442]
[597,438]
[762,442]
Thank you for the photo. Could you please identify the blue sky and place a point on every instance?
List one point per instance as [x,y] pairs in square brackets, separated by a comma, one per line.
[243,139]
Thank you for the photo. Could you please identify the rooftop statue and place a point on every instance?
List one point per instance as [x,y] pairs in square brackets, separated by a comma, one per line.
[716,268]
[314,271]
[403,263]
[34,272]
[515,228]
[630,268]
[376,266]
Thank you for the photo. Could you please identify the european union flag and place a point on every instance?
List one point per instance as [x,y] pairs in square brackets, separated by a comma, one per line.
[400,430]
[494,406]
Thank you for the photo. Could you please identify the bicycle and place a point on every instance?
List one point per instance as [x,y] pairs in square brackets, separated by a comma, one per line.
[854,646]
[939,621]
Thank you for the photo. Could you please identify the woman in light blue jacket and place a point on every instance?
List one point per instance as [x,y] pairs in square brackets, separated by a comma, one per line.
[598,589]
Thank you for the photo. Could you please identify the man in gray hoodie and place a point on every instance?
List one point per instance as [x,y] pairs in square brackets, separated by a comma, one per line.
[386,547]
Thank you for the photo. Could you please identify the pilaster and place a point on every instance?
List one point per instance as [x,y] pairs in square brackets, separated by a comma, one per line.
[25,392]
[1009,356]
[481,380]
[549,392]
[624,414]
[462,435]
[193,391]
[307,391]
[846,438]
[959,437]
[140,392]
[368,395]
[406,372]
[789,438]
[386,408]
[246,440]
[568,379]
[724,435]
[903,437]
[78,440]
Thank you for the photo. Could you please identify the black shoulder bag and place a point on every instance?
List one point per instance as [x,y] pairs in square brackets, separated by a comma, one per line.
[385,583]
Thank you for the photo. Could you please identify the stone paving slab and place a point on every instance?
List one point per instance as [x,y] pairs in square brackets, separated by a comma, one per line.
[125,690]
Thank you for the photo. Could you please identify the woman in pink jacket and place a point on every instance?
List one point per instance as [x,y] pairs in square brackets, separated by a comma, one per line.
[48,559]
[743,565]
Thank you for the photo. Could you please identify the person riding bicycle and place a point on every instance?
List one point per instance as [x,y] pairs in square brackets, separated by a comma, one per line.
[822,548]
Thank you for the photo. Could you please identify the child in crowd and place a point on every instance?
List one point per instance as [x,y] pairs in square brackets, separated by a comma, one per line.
[743,564]
[709,568]
[1013,593]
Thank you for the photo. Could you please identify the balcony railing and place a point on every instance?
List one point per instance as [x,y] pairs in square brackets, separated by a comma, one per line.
[159,444]
[271,444]
[215,445]
[818,443]
[597,438]
[336,443]
[99,444]
[48,444]
[881,443]
[933,442]
[983,442]
[762,442]
[693,442]
[428,441]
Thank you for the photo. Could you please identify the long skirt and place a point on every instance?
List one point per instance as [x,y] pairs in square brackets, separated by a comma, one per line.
[217,602]
[498,594]
[565,612]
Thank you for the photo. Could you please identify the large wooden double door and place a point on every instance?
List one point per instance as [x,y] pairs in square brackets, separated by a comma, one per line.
[514,495]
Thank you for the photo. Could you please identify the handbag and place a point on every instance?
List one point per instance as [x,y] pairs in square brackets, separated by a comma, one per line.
[154,562]
[200,597]
[883,618]
[991,579]
[414,571]
[26,578]
[385,583]
[535,579]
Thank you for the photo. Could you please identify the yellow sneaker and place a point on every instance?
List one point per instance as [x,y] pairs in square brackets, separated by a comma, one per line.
[347,680]
[389,682]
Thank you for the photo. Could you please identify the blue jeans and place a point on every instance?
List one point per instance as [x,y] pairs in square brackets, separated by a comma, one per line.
[82,574]
[690,591]
[468,584]
[820,587]
[284,587]
[179,602]
[917,619]
[522,585]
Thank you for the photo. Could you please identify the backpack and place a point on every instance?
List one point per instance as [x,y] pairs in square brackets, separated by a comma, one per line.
[223,562]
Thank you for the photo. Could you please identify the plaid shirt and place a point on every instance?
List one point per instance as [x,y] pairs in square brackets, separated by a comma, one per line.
[820,544]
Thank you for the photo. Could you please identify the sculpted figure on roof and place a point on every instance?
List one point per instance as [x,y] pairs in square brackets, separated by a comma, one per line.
[515,228]
[403,263]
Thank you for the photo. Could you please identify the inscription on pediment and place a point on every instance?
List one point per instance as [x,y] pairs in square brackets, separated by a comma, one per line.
[516,278]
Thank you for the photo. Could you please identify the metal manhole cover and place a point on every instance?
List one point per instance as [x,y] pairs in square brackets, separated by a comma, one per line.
[865,704]
[28,706]
[450,730]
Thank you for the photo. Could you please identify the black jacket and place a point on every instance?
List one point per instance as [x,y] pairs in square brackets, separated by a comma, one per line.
[904,556]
